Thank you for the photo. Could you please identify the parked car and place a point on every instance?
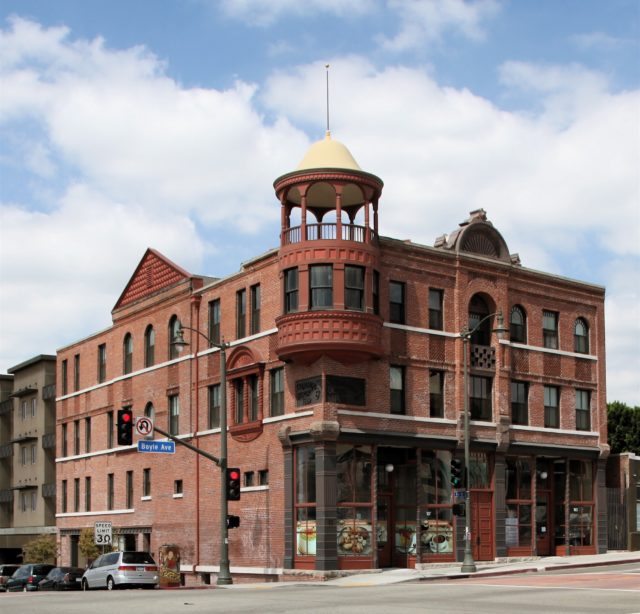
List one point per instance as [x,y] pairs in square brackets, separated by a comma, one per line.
[27,577]
[62,579]
[6,571]
[121,570]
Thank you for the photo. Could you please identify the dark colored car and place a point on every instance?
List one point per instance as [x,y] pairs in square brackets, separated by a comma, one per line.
[6,571]
[27,577]
[62,579]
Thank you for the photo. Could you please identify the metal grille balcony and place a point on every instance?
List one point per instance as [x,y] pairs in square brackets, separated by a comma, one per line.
[6,496]
[49,392]
[6,450]
[6,407]
[48,441]
[49,490]
[483,357]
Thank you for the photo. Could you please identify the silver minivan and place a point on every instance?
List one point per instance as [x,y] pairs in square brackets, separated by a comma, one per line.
[121,570]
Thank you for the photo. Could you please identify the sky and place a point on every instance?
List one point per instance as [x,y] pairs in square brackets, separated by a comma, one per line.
[163,123]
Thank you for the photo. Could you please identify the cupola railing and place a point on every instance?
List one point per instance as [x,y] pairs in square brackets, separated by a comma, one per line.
[328,231]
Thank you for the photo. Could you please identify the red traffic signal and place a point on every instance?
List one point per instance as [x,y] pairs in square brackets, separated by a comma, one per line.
[233,483]
[233,522]
[125,426]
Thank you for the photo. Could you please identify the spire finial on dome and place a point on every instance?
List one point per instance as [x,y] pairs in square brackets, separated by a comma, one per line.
[328,134]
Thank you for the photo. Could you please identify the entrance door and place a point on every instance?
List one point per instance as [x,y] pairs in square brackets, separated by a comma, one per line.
[543,524]
[384,533]
[482,525]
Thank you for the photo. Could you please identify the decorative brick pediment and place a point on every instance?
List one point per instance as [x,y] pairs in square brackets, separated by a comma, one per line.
[154,273]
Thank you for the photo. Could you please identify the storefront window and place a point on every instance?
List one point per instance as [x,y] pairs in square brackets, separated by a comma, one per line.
[406,502]
[353,469]
[581,503]
[305,498]
[434,498]
[519,504]
[480,470]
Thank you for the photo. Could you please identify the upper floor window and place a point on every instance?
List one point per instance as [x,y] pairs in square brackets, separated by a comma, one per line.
[149,346]
[518,325]
[63,376]
[110,429]
[241,313]
[254,398]
[87,434]
[479,322]
[76,436]
[110,491]
[320,286]
[174,414]
[354,287]
[551,407]
[277,392]
[76,372]
[255,309]
[396,302]
[239,393]
[214,320]
[583,410]
[174,327]
[550,329]
[436,394]
[581,337]
[127,353]
[396,385]
[291,290]
[102,363]
[435,309]
[519,403]
[34,406]
[214,407]
[480,398]
[376,292]
[63,443]
[149,412]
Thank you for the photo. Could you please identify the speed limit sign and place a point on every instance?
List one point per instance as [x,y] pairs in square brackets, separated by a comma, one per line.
[102,533]
[144,426]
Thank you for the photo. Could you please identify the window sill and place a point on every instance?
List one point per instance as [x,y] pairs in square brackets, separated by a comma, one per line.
[178,496]
[146,498]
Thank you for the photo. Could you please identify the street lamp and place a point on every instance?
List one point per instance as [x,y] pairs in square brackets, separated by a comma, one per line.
[224,575]
[468,564]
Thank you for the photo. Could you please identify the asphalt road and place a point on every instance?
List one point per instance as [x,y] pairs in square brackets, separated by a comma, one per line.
[576,592]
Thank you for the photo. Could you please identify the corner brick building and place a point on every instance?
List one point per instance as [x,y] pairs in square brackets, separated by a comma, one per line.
[345,395]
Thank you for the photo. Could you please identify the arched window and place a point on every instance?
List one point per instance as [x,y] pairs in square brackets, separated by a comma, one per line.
[518,325]
[581,337]
[478,310]
[127,353]
[149,346]
[174,327]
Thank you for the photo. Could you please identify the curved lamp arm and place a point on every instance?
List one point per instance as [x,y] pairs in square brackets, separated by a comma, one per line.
[501,329]
[180,343]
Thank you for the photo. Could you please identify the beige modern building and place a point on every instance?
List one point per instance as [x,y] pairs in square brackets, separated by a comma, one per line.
[27,454]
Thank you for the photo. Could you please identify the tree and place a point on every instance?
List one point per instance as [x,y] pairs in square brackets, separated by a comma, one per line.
[87,546]
[623,424]
[42,549]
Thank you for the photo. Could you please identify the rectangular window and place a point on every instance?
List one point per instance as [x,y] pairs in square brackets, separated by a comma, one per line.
[308,391]
[248,478]
[255,309]
[177,487]
[354,287]
[253,398]
[146,482]
[64,440]
[276,407]
[376,292]
[241,313]
[214,407]
[550,329]
[583,410]
[34,454]
[239,390]
[110,491]
[263,477]
[345,390]
[87,494]
[109,430]
[76,372]
[396,302]
[214,320]
[291,290]
[24,454]
[129,490]
[480,398]
[63,497]
[518,523]
[320,286]
[64,376]
[102,363]
[76,437]
[76,495]
[33,408]
[436,394]
[34,500]
[87,435]
[519,403]
[551,407]
[23,411]
[396,385]
[435,309]
[174,415]
[305,499]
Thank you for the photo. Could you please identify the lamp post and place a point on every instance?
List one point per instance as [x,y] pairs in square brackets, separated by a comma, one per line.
[224,575]
[468,564]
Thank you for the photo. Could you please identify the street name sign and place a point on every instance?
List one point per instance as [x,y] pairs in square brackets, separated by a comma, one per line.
[102,533]
[151,445]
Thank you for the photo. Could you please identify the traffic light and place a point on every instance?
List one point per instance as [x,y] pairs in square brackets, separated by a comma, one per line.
[456,472]
[233,484]
[125,427]
[459,509]
[233,522]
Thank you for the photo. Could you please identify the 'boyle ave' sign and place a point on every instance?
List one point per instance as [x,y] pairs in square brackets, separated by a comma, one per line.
[151,445]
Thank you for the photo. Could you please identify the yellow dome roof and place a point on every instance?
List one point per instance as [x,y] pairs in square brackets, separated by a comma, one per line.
[328,154]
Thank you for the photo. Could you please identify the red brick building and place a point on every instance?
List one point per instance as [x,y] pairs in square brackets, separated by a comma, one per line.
[345,388]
